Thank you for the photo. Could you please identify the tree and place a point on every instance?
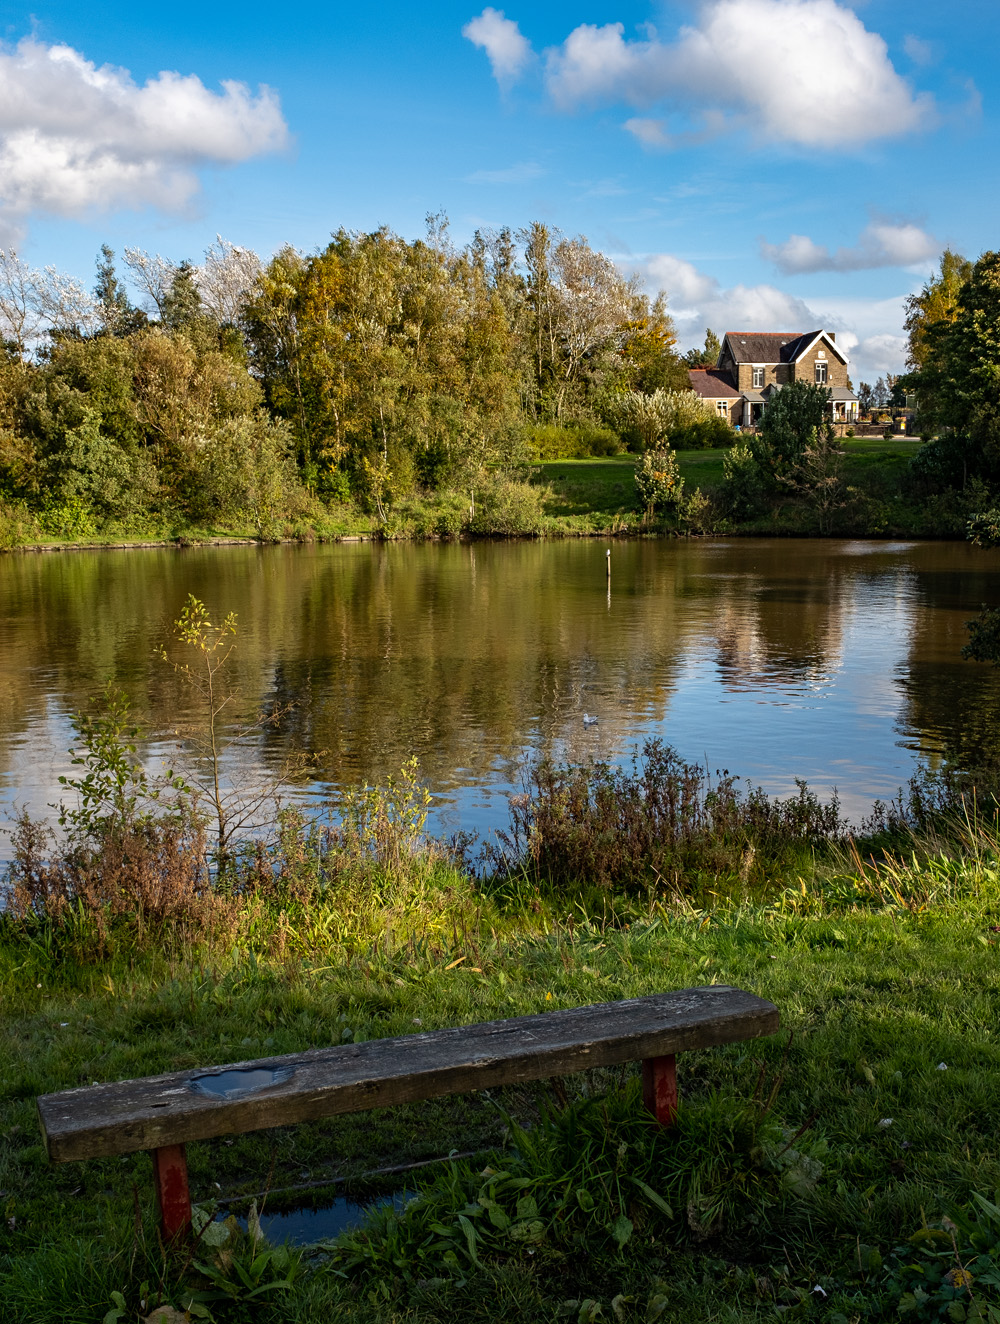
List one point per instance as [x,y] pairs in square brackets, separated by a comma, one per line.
[790,450]
[226,279]
[707,357]
[35,302]
[650,351]
[790,422]
[182,301]
[152,274]
[958,384]
[936,303]
[816,476]
[114,312]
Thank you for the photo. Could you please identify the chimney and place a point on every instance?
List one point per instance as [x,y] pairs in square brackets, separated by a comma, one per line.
[831,336]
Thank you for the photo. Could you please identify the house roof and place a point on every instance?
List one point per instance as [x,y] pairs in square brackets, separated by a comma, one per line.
[711,384]
[775,346]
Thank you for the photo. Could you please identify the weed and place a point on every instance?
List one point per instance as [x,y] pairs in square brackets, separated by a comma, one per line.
[659,824]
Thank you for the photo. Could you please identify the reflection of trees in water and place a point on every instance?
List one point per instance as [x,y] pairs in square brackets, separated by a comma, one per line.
[951,707]
[781,621]
[450,652]
[465,654]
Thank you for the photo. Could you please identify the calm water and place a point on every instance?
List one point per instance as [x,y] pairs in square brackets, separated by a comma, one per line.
[833,661]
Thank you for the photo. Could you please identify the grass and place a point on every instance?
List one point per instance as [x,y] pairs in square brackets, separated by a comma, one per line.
[801,1159]
[598,495]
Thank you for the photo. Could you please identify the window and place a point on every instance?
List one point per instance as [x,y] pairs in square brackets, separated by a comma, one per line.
[758,378]
[722,408]
[820,373]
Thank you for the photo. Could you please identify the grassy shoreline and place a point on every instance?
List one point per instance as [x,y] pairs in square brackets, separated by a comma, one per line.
[800,1160]
[597,498]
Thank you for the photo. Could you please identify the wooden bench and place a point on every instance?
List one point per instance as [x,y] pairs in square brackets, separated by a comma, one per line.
[162,1113]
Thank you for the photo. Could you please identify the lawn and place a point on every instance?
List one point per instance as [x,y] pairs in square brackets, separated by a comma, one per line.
[800,1160]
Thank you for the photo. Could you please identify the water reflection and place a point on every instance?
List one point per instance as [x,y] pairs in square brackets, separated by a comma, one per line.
[834,661]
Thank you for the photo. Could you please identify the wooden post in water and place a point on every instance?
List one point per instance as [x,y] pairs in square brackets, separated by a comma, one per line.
[609,564]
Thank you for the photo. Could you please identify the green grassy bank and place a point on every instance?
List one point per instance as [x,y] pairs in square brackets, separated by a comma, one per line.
[566,498]
[799,1162]
[598,495]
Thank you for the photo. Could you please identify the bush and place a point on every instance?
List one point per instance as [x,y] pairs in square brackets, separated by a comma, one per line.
[17,525]
[647,420]
[572,441]
[702,434]
[505,508]
[103,477]
[659,823]
[246,472]
[747,483]
[658,480]
[948,461]
[698,513]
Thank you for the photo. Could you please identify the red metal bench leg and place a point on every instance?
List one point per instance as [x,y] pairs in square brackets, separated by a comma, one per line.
[172,1195]
[659,1088]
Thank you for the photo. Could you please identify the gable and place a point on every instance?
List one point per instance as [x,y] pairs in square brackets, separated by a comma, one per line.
[818,340]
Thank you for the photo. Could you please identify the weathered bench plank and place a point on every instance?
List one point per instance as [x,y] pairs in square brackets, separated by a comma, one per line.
[160,1111]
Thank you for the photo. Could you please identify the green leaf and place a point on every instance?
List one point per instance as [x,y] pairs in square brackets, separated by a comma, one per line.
[117,1311]
[656,1306]
[653,1197]
[585,1200]
[621,1230]
[470,1238]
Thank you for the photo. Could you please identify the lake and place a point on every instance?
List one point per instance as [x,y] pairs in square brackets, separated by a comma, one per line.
[828,660]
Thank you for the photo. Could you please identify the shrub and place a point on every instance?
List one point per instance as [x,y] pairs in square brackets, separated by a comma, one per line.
[505,507]
[658,480]
[646,420]
[572,441]
[702,434]
[17,525]
[747,484]
[660,822]
[698,512]
[246,471]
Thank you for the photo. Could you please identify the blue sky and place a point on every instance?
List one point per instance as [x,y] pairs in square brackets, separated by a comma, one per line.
[770,164]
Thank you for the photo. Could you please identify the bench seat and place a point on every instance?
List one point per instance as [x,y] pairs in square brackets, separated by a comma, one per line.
[163,1113]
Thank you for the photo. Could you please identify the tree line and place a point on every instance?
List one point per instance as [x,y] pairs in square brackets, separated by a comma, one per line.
[361,372]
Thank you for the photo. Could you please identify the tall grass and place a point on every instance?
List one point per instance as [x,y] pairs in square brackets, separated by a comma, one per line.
[660,824]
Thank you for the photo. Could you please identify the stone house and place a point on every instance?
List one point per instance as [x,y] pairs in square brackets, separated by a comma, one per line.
[753,365]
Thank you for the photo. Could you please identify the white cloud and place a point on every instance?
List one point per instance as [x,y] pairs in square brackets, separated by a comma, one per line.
[508,51]
[684,285]
[697,300]
[75,136]
[801,71]
[880,354]
[515,174]
[920,52]
[880,244]
[651,133]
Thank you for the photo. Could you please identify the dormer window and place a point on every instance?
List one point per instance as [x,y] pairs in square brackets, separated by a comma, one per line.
[820,372]
[758,378]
